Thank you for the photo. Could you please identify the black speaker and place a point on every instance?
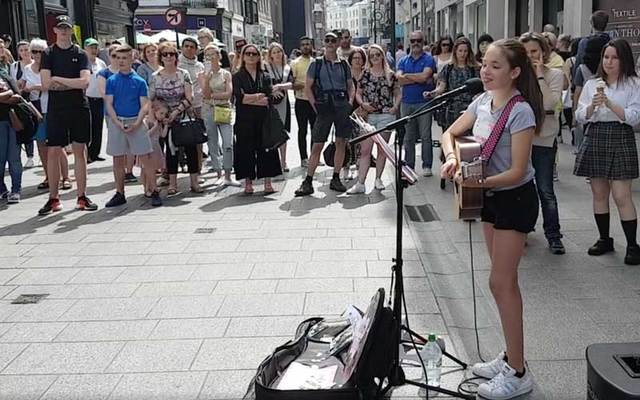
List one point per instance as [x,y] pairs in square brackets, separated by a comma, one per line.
[613,371]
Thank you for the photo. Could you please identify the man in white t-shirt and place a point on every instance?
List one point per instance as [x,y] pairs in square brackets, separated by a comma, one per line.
[96,103]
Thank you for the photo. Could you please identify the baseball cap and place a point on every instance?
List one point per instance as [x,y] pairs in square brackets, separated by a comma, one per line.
[90,42]
[63,20]
[331,34]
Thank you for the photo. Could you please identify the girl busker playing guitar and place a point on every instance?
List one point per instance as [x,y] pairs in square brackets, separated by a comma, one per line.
[511,205]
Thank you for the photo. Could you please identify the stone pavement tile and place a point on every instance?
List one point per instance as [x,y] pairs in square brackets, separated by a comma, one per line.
[453,286]
[141,227]
[221,257]
[109,309]
[94,291]
[235,353]
[8,352]
[327,243]
[187,307]
[262,305]
[156,356]
[97,275]
[269,245]
[24,387]
[382,269]
[66,237]
[621,333]
[333,269]
[328,304]
[112,261]
[629,275]
[295,233]
[113,249]
[226,384]
[33,332]
[201,328]
[82,387]
[11,262]
[160,273]
[109,237]
[186,226]
[163,289]
[46,310]
[553,378]
[349,232]
[159,386]
[389,253]
[277,256]
[220,233]
[64,358]
[203,246]
[379,243]
[459,312]
[44,276]
[6,275]
[50,262]
[173,259]
[15,250]
[215,272]
[103,331]
[372,284]
[421,303]
[315,285]
[613,311]
[54,291]
[343,255]
[5,326]
[306,223]
[6,291]
[165,247]
[242,225]
[273,270]
[424,324]
[246,287]
[70,249]
[264,326]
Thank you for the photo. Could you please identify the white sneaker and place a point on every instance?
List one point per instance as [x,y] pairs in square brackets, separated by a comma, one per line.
[427,172]
[506,385]
[358,188]
[379,185]
[29,163]
[13,198]
[490,369]
[232,182]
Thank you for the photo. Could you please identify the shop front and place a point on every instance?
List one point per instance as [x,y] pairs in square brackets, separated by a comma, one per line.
[624,21]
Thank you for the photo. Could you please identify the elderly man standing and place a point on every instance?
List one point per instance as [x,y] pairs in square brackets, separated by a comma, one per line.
[415,75]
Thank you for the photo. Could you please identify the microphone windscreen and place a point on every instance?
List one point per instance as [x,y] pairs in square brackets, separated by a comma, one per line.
[474,86]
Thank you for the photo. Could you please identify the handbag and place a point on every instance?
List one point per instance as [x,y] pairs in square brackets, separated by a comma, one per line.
[188,132]
[222,114]
[273,132]
[329,153]
[24,118]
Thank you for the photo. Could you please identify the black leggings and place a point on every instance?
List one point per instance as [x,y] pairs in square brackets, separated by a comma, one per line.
[304,115]
[192,159]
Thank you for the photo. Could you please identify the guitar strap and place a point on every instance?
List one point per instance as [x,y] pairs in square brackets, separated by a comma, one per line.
[492,142]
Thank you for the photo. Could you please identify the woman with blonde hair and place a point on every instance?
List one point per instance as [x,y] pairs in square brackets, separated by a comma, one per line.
[378,94]
[281,78]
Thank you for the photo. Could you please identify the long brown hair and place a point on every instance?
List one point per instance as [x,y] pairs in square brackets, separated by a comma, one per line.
[259,67]
[542,42]
[625,57]
[470,60]
[526,82]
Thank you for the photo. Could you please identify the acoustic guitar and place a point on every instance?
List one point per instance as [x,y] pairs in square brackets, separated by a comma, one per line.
[468,199]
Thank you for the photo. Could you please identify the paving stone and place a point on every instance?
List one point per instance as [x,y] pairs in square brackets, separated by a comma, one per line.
[53,248]
[263,326]
[554,377]
[278,256]
[230,354]
[159,386]
[190,328]
[43,276]
[226,384]
[24,387]
[327,304]
[54,291]
[173,259]
[155,356]
[109,309]
[216,258]
[329,256]
[8,352]
[46,310]
[205,246]
[410,268]
[262,305]
[97,275]
[215,272]
[268,245]
[338,243]
[156,274]
[615,311]
[64,358]
[162,289]
[245,287]
[187,307]
[82,387]
[273,270]
[33,332]
[140,227]
[372,284]
[315,285]
[103,331]
[50,262]
[112,261]
[102,290]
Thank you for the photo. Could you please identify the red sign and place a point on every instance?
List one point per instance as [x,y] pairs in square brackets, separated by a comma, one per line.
[174,17]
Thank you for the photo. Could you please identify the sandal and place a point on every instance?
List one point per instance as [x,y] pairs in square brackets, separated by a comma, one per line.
[172,191]
[268,189]
[43,185]
[248,189]
[66,184]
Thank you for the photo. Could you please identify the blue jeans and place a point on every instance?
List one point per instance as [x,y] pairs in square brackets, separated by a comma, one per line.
[213,142]
[543,159]
[10,152]
[419,127]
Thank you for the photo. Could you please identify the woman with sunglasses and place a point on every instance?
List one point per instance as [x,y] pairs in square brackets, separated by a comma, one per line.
[282,80]
[378,93]
[173,86]
[251,90]
[17,72]
[443,52]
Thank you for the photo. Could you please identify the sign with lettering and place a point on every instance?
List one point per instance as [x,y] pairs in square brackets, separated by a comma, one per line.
[624,21]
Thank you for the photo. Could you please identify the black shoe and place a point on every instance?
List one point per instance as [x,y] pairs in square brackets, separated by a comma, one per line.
[633,255]
[601,247]
[443,184]
[130,178]
[156,201]
[118,199]
[305,189]
[50,206]
[85,204]
[556,246]
[337,185]
[89,161]
[100,158]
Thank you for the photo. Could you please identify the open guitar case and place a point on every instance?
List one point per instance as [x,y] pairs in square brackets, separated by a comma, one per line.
[361,367]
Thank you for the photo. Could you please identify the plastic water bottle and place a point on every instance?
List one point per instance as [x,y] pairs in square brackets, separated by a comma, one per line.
[432,358]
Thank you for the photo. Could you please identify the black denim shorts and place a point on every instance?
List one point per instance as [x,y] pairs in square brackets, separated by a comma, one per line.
[514,209]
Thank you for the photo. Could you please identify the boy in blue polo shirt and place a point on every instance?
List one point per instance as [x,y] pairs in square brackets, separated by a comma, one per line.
[126,101]
[415,74]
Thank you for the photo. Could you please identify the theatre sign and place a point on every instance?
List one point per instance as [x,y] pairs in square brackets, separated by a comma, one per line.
[624,20]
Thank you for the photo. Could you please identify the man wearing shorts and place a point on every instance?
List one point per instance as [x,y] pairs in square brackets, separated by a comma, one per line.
[65,74]
[330,91]
[126,101]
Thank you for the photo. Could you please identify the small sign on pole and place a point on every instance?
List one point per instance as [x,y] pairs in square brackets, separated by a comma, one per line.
[174,18]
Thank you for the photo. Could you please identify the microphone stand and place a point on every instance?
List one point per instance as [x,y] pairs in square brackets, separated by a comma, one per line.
[396,375]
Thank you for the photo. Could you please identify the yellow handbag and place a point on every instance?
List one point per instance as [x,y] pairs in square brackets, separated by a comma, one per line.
[222,114]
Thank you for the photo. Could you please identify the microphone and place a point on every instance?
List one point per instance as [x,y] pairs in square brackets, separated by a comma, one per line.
[472,86]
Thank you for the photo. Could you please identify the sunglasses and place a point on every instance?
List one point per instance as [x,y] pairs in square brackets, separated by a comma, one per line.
[375,55]
[172,54]
[415,40]
[331,40]
[251,54]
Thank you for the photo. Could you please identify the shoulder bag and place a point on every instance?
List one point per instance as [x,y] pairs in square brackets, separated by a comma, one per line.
[188,131]
[273,132]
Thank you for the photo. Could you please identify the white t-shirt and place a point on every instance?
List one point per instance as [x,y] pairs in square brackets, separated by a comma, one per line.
[626,96]
[33,79]
[92,89]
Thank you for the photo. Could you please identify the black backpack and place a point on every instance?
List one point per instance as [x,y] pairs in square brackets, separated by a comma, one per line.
[26,113]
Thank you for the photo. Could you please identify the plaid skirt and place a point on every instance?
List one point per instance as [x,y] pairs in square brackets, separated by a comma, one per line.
[608,151]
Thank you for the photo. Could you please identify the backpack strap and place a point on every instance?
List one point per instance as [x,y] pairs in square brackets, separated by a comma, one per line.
[498,129]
